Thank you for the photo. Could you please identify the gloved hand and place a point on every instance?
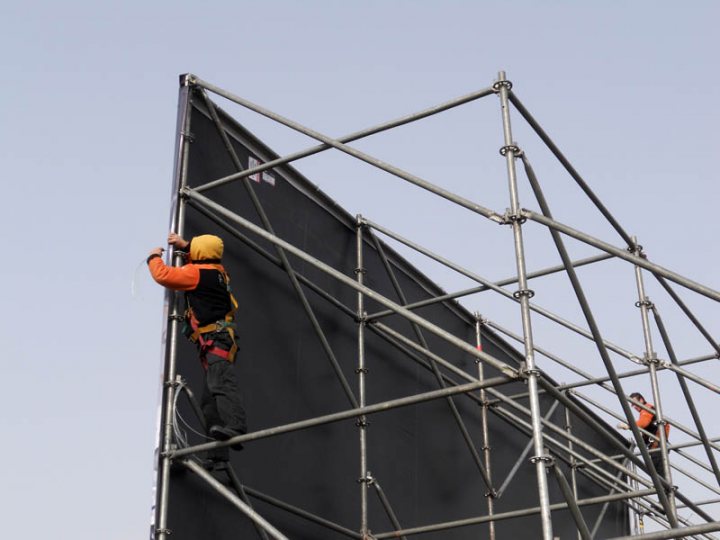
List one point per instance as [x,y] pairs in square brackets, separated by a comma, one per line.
[157,251]
[623,425]
[177,241]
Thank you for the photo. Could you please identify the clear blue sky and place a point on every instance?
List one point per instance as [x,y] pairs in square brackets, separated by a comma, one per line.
[89,93]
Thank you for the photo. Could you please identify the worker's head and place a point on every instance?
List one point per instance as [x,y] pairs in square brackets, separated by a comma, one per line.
[637,396]
[206,247]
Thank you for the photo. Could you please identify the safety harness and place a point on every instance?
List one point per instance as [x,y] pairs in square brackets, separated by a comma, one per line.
[199,333]
[653,427]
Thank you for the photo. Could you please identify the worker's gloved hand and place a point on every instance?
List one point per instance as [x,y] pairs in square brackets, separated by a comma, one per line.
[177,241]
[623,425]
[157,251]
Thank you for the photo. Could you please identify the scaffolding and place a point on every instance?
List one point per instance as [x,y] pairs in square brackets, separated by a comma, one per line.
[649,493]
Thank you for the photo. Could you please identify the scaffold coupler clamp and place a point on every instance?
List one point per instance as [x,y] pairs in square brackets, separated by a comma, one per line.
[637,249]
[544,458]
[163,531]
[646,302]
[367,479]
[174,383]
[188,79]
[499,84]
[526,372]
[188,136]
[651,359]
[491,493]
[523,292]
[509,217]
[516,150]
[362,422]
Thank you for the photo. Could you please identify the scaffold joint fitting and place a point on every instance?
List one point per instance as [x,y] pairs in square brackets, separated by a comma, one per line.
[523,292]
[367,479]
[525,372]
[163,531]
[362,423]
[492,494]
[517,152]
[647,303]
[362,370]
[544,458]
[360,270]
[499,84]
[651,359]
[188,136]
[509,218]
[175,317]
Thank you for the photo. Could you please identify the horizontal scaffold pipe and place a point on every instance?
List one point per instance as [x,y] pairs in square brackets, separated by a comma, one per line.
[623,254]
[343,415]
[350,138]
[483,288]
[510,515]
[663,365]
[395,171]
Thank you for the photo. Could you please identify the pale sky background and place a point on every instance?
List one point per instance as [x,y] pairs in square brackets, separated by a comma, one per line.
[628,90]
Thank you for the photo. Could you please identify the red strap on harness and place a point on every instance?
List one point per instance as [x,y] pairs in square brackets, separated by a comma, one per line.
[206,346]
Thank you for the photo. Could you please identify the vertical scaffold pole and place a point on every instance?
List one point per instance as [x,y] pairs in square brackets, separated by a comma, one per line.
[172,305]
[490,494]
[651,358]
[361,372]
[573,461]
[638,524]
[510,151]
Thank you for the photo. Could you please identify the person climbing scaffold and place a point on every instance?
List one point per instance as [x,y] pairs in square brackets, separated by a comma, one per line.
[210,325]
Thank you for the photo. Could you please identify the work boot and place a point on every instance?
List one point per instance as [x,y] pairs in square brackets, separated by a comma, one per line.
[222,433]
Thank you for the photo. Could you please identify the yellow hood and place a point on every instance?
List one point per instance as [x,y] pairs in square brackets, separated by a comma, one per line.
[206,246]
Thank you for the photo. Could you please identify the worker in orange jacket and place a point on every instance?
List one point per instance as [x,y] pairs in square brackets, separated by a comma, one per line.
[210,324]
[648,421]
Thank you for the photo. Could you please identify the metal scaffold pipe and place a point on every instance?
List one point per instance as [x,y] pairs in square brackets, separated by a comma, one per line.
[524,294]
[490,494]
[342,415]
[361,372]
[651,359]
[172,303]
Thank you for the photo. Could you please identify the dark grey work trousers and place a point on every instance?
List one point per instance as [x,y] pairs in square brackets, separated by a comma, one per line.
[222,401]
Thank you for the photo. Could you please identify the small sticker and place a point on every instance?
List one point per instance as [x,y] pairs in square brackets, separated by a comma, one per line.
[260,176]
[252,163]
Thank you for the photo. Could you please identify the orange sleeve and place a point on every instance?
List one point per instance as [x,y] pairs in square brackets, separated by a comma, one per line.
[178,278]
[645,419]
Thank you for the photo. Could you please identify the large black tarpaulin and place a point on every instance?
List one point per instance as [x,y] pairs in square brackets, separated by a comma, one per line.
[416,453]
